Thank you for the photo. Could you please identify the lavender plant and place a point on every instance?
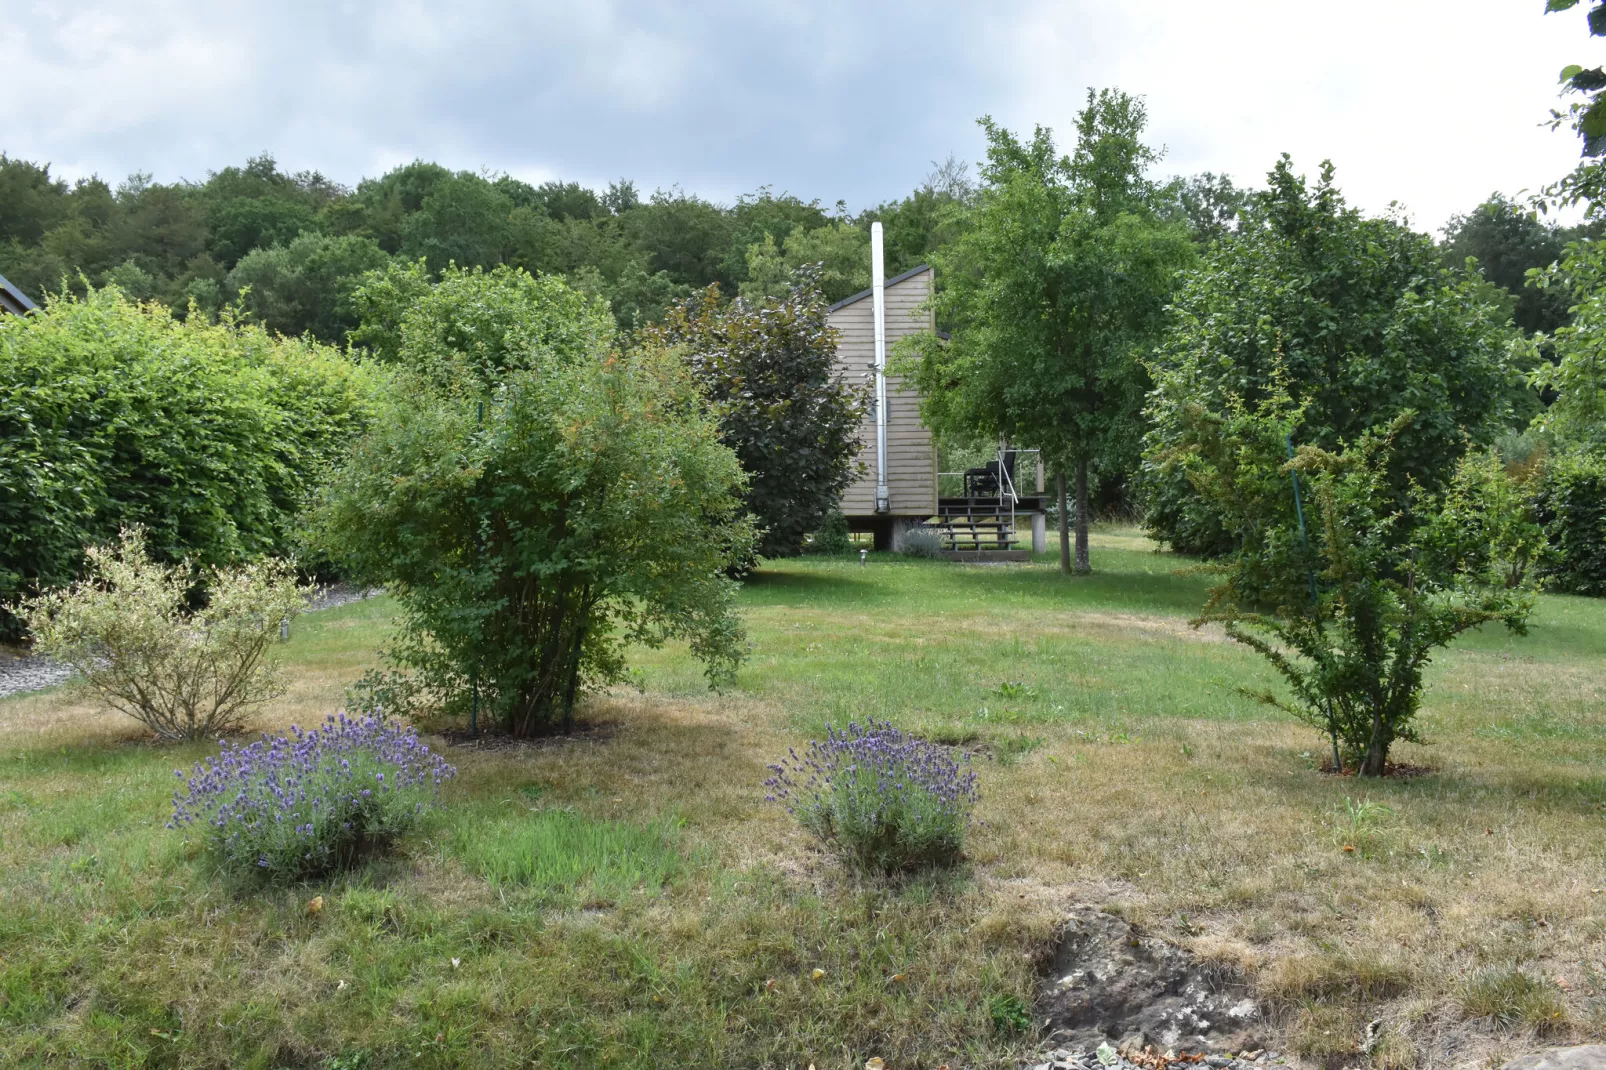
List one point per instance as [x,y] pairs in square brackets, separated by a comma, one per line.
[888,801]
[295,806]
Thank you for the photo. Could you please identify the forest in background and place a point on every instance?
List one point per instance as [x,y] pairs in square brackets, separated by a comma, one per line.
[298,244]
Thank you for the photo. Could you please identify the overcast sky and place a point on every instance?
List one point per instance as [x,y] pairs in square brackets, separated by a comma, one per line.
[1432,103]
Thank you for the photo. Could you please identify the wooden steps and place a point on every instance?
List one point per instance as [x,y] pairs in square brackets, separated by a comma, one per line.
[973,532]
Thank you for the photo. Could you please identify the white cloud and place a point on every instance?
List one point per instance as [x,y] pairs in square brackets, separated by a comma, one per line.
[1432,104]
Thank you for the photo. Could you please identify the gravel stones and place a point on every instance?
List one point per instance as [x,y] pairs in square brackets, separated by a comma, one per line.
[1584,1057]
[28,673]
[1110,984]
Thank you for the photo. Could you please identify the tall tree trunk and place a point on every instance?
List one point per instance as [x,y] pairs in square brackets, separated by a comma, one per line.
[1082,565]
[1065,524]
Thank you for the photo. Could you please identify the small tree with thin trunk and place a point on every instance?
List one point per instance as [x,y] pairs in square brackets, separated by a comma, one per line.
[1344,583]
[1054,290]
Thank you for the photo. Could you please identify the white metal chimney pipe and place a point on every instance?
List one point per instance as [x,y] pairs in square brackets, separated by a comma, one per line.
[878,291]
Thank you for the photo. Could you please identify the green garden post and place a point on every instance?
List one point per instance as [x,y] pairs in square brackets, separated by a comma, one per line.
[474,674]
[1315,605]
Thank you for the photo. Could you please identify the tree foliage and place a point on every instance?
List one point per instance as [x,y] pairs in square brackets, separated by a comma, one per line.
[1053,290]
[306,286]
[1577,379]
[1587,183]
[209,437]
[1356,319]
[1569,502]
[1209,203]
[474,326]
[1508,241]
[301,242]
[769,367]
[838,253]
[538,502]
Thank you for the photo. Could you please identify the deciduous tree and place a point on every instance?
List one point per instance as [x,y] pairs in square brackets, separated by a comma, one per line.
[1357,319]
[1344,581]
[769,367]
[1054,291]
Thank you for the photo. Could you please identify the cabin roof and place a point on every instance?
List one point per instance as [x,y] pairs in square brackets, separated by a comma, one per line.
[13,300]
[862,294]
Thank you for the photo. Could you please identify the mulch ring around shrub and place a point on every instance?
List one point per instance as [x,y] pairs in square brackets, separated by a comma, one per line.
[1392,770]
[494,740]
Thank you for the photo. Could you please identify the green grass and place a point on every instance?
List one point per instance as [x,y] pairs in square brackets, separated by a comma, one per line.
[629,899]
[553,852]
[928,643]
[1509,995]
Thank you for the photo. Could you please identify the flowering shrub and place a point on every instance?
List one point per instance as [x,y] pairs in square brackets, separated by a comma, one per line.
[298,805]
[889,801]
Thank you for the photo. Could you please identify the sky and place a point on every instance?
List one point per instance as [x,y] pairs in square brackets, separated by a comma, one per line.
[1433,104]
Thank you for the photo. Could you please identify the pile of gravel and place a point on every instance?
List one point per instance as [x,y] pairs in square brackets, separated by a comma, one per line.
[28,672]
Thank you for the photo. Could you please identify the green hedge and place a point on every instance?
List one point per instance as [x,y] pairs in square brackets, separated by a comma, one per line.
[210,436]
[1570,503]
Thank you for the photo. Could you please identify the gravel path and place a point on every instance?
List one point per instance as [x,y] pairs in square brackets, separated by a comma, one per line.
[26,672]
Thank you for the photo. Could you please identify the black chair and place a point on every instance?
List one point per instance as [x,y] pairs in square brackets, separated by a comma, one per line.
[984,482]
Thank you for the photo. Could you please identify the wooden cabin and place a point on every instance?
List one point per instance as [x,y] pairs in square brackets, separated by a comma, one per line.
[981,522]
[911,450]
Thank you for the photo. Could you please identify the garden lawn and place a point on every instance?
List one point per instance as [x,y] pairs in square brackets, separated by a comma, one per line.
[627,897]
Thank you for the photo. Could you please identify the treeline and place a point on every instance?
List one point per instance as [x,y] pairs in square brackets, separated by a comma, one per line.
[298,243]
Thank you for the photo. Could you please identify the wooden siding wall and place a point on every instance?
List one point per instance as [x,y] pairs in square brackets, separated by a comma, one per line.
[911,453]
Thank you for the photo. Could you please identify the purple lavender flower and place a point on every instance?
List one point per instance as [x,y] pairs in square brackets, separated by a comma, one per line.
[890,801]
[281,804]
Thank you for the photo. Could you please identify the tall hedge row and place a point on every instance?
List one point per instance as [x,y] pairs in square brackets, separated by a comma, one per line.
[211,436]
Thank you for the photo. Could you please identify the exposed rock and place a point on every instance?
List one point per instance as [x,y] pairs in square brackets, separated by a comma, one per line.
[1067,1059]
[1108,982]
[1584,1057]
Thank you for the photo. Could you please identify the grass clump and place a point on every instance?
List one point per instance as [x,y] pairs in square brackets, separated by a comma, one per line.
[1511,996]
[1347,975]
[888,801]
[560,851]
[1360,827]
[300,805]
